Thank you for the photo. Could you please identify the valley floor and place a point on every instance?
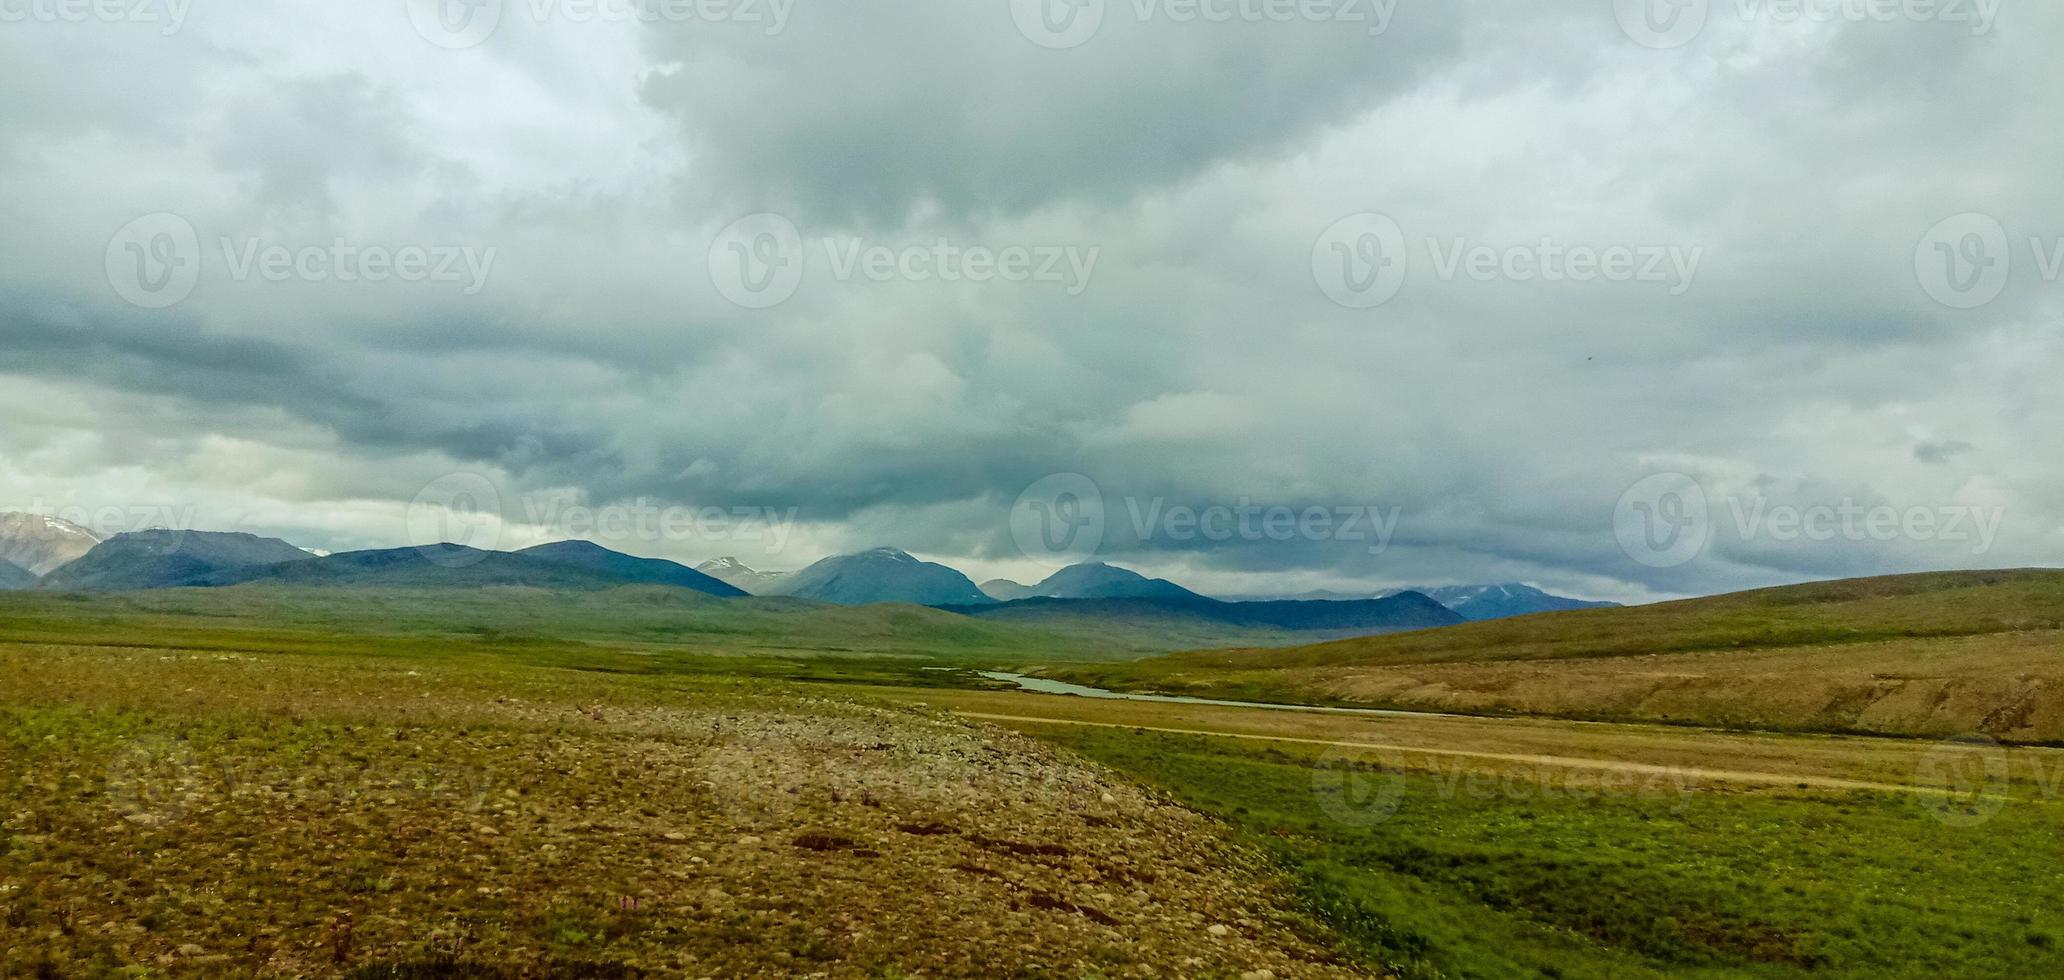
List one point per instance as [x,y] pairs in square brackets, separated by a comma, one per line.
[1464,847]
[466,807]
[210,815]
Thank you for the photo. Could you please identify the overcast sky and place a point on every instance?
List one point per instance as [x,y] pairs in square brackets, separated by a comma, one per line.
[1260,296]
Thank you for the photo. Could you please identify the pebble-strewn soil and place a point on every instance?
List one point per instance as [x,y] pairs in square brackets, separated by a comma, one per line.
[715,834]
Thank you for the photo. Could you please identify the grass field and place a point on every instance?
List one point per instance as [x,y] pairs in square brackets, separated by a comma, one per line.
[502,785]
[454,813]
[628,630]
[1434,868]
[1923,655]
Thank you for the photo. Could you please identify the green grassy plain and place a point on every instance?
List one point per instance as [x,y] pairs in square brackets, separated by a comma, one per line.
[428,807]
[1920,655]
[639,629]
[513,783]
[1436,872]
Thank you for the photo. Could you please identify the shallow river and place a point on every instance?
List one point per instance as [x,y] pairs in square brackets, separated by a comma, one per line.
[1043,685]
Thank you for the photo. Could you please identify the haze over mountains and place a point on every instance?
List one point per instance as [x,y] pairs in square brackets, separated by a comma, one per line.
[163,558]
[1092,580]
[736,573]
[40,545]
[1077,597]
[1482,603]
[653,571]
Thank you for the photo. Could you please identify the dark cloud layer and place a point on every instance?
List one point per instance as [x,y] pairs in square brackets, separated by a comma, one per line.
[1803,364]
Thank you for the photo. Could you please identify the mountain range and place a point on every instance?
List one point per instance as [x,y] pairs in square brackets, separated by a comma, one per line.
[1476,603]
[1207,618]
[1482,603]
[881,575]
[1092,580]
[46,553]
[651,571]
[737,574]
[164,558]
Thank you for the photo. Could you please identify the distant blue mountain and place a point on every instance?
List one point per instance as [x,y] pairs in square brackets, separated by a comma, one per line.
[627,568]
[1478,603]
[882,575]
[160,559]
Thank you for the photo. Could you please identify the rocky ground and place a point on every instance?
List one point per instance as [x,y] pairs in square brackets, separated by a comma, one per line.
[304,829]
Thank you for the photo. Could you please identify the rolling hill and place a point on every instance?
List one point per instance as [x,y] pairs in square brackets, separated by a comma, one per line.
[1481,603]
[1005,590]
[629,569]
[432,566]
[13,577]
[1092,580]
[883,575]
[162,558]
[1936,654]
[1172,621]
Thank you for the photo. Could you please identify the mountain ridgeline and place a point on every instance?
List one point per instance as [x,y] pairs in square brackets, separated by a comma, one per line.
[1093,580]
[162,558]
[49,555]
[39,545]
[882,575]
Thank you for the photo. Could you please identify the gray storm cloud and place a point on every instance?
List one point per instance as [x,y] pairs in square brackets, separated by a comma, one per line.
[1512,388]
